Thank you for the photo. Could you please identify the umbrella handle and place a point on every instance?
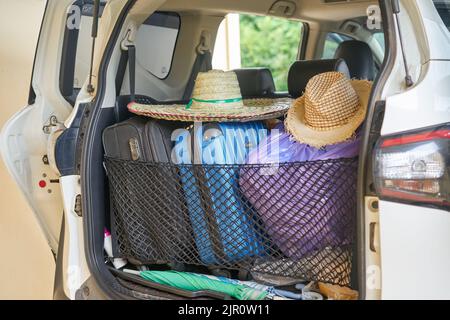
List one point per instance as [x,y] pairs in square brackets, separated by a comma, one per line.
[135,272]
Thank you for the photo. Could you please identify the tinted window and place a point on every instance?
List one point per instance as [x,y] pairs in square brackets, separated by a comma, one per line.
[75,57]
[83,53]
[156,41]
[443,8]
[379,37]
[332,42]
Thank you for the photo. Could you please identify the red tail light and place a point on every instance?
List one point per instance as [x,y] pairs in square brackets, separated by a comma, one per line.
[415,167]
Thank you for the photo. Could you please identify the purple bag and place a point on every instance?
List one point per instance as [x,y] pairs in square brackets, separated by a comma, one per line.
[307,197]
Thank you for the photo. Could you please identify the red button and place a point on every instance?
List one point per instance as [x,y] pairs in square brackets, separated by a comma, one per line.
[42,184]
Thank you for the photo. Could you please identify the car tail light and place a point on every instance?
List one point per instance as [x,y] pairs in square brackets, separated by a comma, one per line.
[415,167]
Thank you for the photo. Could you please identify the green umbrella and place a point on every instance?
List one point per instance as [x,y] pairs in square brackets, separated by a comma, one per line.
[194,282]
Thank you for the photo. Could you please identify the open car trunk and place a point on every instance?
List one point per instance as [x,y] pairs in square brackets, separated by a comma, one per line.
[276,224]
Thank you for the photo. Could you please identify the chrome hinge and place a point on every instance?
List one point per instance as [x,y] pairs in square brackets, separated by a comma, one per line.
[52,123]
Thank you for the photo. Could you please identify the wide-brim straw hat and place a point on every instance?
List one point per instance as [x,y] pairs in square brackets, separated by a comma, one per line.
[216,98]
[330,111]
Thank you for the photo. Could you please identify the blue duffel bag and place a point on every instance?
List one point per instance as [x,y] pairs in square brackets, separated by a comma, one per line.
[224,232]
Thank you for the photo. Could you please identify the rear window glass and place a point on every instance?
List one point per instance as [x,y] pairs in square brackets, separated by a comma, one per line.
[332,42]
[83,54]
[158,36]
[443,8]
[379,37]
[77,44]
[246,41]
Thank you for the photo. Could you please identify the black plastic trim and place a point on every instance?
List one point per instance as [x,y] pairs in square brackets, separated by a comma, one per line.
[304,44]
[68,57]
[67,157]
[164,19]
[88,8]
[375,129]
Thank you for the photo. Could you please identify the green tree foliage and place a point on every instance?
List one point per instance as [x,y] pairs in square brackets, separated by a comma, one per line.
[270,42]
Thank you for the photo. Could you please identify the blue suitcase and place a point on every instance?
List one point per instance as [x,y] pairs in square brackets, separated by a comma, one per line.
[223,232]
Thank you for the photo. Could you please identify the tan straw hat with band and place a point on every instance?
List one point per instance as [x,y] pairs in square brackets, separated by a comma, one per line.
[216,98]
[330,111]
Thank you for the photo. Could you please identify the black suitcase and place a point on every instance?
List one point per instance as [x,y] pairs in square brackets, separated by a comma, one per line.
[140,139]
[137,227]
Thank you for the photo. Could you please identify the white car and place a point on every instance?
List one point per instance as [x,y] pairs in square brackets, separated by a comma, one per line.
[80,86]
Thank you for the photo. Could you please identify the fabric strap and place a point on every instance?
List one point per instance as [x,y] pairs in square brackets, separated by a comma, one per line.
[132,70]
[127,57]
[202,63]
[121,71]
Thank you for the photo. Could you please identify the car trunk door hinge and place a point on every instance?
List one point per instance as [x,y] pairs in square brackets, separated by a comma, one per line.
[52,125]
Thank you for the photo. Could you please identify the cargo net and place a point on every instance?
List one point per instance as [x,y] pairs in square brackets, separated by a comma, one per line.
[294,220]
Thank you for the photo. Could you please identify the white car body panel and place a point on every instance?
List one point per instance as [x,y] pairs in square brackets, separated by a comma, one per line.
[23,144]
[415,255]
[373,250]
[425,105]
[23,141]
[415,258]
[438,36]
[74,261]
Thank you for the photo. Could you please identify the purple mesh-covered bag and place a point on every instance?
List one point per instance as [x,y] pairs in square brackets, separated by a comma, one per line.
[307,200]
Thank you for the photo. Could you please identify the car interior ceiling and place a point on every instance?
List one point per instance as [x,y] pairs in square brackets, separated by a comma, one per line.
[354,58]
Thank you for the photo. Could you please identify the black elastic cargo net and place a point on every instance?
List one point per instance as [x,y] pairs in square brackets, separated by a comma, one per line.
[294,220]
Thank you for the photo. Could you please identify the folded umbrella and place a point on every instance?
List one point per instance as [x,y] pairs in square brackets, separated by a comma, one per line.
[194,282]
[272,292]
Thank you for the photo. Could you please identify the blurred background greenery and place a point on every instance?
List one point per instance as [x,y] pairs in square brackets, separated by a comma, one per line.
[270,42]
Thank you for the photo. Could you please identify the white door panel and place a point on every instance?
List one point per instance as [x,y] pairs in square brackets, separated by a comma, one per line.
[373,249]
[23,141]
[75,268]
[427,104]
[435,30]
[415,252]
[23,145]
[414,239]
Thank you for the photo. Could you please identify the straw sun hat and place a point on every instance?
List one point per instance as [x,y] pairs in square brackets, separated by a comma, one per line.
[217,97]
[330,111]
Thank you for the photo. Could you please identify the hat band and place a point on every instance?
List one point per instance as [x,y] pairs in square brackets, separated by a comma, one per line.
[189,105]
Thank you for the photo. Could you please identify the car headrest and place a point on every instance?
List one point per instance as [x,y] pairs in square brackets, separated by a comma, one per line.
[302,71]
[359,59]
[255,82]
